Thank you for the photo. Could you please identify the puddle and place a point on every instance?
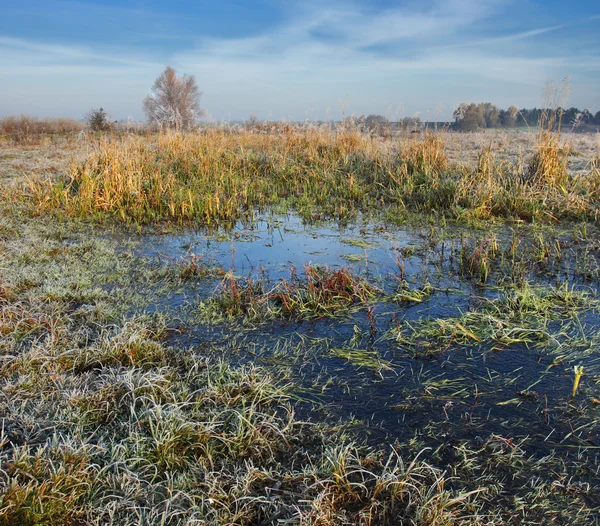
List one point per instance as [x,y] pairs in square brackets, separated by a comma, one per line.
[278,244]
[351,369]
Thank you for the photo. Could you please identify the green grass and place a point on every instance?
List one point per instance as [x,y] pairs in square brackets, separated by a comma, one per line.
[518,316]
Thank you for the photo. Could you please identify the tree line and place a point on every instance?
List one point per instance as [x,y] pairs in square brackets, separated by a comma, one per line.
[470,116]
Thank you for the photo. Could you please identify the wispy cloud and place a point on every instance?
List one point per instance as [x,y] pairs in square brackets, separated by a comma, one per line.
[351,47]
[315,55]
[44,50]
[343,30]
[513,37]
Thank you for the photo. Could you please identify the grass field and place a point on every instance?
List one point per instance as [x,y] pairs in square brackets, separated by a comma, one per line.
[220,176]
[300,326]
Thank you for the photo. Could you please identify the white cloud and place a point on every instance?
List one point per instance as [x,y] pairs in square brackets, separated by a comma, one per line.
[422,54]
[43,51]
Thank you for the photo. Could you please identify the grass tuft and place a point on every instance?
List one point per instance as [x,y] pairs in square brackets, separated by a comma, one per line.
[321,292]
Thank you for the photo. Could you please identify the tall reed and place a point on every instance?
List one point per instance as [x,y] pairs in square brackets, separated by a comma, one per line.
[217,176]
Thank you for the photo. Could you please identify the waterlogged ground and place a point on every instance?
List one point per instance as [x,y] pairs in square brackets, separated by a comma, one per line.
[282,372]
[426,365]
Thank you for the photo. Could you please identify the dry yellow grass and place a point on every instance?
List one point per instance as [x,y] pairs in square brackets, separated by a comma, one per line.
[220,175]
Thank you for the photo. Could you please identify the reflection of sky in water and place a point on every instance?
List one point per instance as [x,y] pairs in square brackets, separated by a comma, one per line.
[285,242]
[465,392]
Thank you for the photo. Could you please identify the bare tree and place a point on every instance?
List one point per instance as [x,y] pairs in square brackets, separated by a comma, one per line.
[173,101]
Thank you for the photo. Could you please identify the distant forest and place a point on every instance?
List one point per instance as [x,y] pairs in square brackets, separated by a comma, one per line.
[471,116]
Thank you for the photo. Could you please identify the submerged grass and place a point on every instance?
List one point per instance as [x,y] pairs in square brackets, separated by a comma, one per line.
[406,294]
[521,315]
[362,358]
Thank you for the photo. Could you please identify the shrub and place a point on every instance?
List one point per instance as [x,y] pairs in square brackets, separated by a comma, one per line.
[24,129]
[98,120]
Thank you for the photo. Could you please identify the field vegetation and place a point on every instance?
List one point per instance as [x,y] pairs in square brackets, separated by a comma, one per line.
[25,129]
[220,176]
[123,406]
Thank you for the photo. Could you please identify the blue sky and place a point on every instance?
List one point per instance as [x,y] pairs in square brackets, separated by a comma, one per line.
[297,60]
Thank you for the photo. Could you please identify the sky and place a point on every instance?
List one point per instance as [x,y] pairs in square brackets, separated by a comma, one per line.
[297,60]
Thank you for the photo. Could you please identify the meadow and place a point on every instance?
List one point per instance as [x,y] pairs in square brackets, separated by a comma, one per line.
[299,324]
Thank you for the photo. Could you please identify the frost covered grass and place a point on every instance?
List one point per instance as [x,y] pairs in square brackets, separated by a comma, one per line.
[105,418]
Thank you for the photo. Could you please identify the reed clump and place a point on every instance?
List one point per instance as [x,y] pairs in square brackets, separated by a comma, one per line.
[426,154]
[322,292]
[491,189]
[238,297]
[477,256]
[422,179]
[548,167]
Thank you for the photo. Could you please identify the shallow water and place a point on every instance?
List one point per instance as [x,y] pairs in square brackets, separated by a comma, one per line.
[341,369]
[279,243]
